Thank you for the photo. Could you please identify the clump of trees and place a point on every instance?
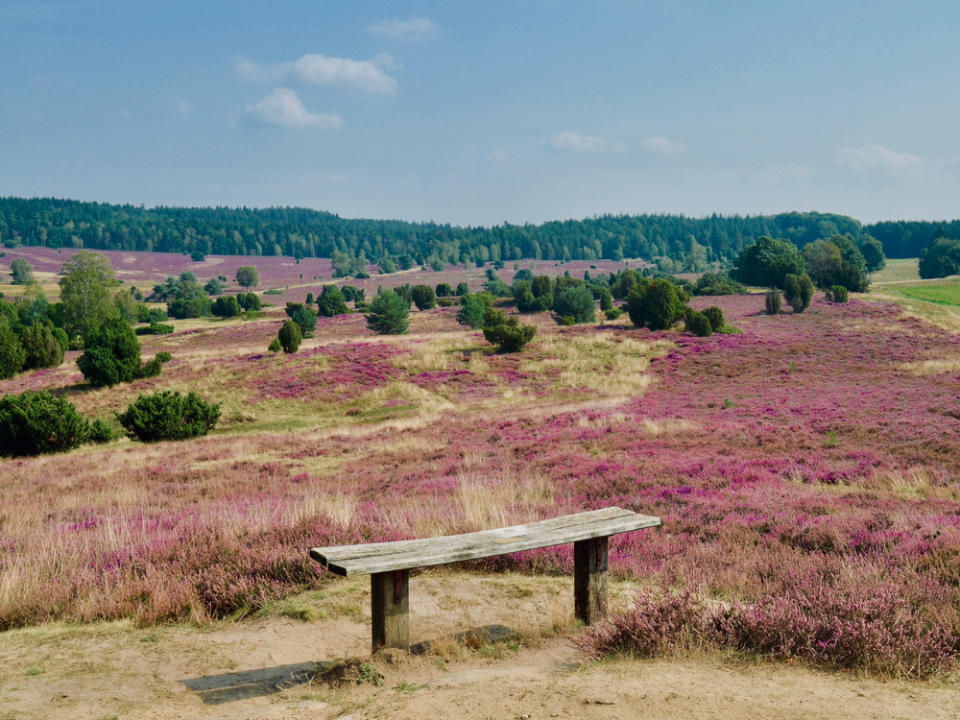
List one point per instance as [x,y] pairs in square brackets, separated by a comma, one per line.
[656,304]
[941,257]
[837,261]
[303,316]
[767,262]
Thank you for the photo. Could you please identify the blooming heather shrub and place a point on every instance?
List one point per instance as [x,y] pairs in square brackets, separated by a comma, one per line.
[289,336]
[842,626]
[36,422]
[654,625]
[715,316]
[168,415]
[772,302]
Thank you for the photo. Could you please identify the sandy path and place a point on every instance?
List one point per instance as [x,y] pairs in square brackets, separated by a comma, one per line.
[233,670]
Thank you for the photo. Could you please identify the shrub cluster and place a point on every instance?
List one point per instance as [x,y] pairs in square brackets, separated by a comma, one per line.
[289,336]
[798,290]
[772,302]
[112,355]
[837,294]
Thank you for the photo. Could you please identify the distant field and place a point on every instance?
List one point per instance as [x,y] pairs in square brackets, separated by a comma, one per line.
[896,270]
[948,294]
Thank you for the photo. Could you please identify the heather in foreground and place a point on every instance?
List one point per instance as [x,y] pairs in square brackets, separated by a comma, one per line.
[805,471]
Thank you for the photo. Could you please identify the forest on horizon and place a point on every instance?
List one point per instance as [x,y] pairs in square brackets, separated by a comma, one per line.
[302,232]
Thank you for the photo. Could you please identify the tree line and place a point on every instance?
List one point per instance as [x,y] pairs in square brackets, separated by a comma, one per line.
[690,244]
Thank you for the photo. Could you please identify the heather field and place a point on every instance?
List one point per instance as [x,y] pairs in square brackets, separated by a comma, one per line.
[807,472]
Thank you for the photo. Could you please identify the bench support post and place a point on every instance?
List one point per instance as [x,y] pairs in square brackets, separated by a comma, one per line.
[590,580]
[390,609]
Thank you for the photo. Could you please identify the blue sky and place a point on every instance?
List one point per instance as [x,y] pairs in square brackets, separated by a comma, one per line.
[486,112]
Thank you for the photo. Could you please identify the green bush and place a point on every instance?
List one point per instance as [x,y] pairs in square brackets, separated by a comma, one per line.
[509,336]
[388,314]
[168,415]
[566,320]
[290,336]
[655,304]
[613,313]
[249,301]
[100,431]
[837,294]
[155,329]
[274,345]
[798,290]
[577,303]
[12,354]
[42,347]
[331,302]
[423,297]
[164,357]
[772,302]
[226,306]
[37,422]
[61,335]
[471,311]
[698,323]
[112,354]
[715,316]
[302,316]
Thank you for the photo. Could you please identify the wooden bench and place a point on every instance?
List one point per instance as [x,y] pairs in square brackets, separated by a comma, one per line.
[389,563]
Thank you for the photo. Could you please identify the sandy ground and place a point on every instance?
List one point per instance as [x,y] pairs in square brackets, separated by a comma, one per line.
[267,667]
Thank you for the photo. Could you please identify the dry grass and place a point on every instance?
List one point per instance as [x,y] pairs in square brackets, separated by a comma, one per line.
[933,367]
[608,364]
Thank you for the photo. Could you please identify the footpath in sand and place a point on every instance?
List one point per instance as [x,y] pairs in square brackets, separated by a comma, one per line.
[265,667]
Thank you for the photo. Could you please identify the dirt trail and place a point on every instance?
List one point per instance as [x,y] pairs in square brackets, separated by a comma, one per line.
[265,668]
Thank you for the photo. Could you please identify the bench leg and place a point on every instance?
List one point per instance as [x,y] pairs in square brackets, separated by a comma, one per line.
[390,608]
[590,580]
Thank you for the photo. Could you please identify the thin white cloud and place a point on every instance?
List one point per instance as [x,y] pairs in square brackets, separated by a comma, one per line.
[282,107]
[413,29]
[568,140]
[877,158]
[316,69]
[663,145]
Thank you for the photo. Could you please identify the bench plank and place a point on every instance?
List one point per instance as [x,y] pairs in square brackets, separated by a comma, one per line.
[407,554]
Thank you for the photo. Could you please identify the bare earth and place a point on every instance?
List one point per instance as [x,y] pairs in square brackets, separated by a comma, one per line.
[264,667]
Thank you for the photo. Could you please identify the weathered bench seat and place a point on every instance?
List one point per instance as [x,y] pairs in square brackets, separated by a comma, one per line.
[389,563]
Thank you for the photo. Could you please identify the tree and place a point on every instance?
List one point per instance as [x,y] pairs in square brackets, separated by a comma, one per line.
[331,302]
[249,301]
[388,314]
[213,287]
[655,304]
[111,354]
[462,289]
[423,297]
[290,336]
[577,303]
[444,290]
[940,258]
[772,302]
[824,262]
[12,354]
[21,271]
[387,266]
[798,290]
[85,293]
[767,261]
[471,311]
[41,346]
[127,306]
[247,276]
[872,250]
[854,269]
[352,294]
